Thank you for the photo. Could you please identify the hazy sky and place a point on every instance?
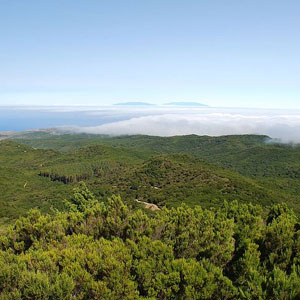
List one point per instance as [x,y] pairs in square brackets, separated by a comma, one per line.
[94,52]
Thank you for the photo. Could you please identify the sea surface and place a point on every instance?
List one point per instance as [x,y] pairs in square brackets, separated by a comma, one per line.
[26,118]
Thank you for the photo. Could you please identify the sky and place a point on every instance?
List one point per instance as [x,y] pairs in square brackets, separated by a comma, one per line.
[229,53]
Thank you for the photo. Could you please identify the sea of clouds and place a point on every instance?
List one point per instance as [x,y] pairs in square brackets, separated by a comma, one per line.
[283,125]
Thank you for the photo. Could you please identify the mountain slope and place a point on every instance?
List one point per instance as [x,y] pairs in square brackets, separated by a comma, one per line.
[250,155]
[43,178]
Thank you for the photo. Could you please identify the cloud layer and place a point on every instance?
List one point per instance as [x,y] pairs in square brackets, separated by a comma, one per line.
[278,124]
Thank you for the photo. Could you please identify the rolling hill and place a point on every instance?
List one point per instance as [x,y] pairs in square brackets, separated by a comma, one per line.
[221,228]
[165,171]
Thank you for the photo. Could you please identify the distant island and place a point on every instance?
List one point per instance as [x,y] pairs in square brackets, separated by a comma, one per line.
[186,104]
[134,104]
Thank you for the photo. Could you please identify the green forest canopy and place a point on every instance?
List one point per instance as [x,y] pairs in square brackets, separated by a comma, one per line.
[223,231]
[196,170]
[32,177]
[106,250]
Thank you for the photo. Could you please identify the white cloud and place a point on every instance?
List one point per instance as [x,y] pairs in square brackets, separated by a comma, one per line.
[283,125]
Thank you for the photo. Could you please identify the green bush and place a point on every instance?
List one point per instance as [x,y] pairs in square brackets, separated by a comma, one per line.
[106,250]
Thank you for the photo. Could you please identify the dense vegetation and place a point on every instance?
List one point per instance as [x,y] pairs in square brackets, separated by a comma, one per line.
[223,229]
[106,250]
[40,178]
[21,188]
[272,165]
[250,155]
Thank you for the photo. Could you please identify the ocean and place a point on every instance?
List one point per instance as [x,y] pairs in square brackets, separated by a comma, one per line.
[26,118]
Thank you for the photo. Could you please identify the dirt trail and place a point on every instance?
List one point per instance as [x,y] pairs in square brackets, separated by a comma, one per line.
[150,206]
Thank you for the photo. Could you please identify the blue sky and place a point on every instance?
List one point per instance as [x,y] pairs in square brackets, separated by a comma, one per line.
[93,52]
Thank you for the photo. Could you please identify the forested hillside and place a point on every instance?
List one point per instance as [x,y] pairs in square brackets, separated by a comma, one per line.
[32,177]
[107,250]
[250,155]
[222,228]
[259,170]
[21,188]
